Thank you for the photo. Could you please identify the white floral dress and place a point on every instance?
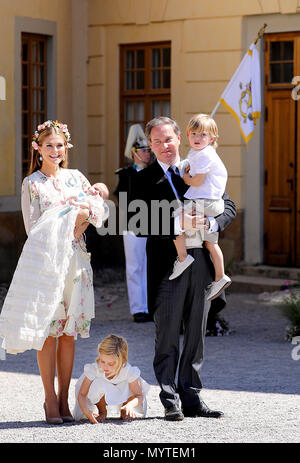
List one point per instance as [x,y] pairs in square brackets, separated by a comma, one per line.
[62,269]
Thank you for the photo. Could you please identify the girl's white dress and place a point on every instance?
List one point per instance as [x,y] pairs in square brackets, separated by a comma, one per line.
[115,390]
[51,292]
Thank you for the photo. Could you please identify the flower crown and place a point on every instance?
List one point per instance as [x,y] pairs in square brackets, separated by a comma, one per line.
[56,124]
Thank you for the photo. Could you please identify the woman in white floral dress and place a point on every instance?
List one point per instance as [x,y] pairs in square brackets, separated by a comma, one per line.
[51,300]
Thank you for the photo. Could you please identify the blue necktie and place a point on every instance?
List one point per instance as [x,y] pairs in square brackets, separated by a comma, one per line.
[178,183]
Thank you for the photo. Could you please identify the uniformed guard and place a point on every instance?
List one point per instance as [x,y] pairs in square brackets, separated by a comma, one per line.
[138,153]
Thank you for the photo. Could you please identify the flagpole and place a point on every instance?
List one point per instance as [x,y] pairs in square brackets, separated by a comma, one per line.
[259,36]
[260,33]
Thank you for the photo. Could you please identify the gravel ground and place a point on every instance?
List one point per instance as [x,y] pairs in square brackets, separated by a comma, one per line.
[250,375]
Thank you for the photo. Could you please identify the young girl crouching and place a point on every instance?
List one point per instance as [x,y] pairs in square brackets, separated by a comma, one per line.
[110,381]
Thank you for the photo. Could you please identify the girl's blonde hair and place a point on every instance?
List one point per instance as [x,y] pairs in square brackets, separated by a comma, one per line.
[35,163]
[116,346]
[204,123]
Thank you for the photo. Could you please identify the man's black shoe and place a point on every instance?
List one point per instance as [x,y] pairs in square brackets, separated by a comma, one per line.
[140,317]
[203,411]
[173,414]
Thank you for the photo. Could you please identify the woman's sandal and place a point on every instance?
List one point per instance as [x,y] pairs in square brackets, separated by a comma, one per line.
[56,420]
[67,419]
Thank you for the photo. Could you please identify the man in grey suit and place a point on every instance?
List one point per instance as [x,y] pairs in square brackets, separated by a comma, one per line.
[183,299]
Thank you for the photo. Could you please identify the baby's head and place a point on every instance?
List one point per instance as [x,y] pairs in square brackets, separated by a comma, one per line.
[203,124]
[113,354]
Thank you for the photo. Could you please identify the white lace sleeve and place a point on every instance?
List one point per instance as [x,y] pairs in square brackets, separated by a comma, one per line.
[30,204]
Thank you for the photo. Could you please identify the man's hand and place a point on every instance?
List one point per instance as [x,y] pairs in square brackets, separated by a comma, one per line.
[192,222]
[186,177]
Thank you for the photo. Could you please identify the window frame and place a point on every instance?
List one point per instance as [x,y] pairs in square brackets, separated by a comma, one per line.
[147,94]
[31,111]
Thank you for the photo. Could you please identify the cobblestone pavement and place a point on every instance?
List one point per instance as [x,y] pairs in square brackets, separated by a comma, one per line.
[250,375]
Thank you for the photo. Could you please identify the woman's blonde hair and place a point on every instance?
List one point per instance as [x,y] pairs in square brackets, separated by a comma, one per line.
[116,346]
[204,123]
[35,163]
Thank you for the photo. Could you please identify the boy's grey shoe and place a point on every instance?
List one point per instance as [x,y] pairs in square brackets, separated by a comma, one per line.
[182,166]
[179,267]
[217,287]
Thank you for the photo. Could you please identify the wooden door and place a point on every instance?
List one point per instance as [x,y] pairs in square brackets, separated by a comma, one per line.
[281,185]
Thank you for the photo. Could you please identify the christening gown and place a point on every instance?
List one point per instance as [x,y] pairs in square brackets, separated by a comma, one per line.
[51,292]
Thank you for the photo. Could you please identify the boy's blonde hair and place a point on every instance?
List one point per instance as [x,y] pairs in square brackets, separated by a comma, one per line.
[116,346]
[204,123]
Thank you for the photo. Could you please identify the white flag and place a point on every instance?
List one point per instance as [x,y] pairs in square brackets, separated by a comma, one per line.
[242,95]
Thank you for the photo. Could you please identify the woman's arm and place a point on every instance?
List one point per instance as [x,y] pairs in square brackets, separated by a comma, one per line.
[30,204]
[83,391]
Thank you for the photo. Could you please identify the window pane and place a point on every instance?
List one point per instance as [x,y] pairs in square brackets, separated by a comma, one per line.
[129,82]
[34,51]
[281,51]
[24,123]
[129,111]
[41,54]
[127,127]
[129,59]
[140,58]
[24,74]
[288,50]
[41,100]
[25,99]
[140,82]
[34,122]
[41,80]
[41,118]
[166,79]
[166,108]
[34,76]
[34,100]
[25,51]
[156,58]
[281,73]
[274,73]
[167,57]
[25,147]
[139,111]
[155,109]
[155,79]
[288,72]
[274,51]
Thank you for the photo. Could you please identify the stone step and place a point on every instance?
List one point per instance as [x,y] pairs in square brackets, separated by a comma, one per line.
[256,284]
[283,273]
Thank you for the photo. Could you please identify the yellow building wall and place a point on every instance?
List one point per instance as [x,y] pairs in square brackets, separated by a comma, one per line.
[58,11]
[207,46]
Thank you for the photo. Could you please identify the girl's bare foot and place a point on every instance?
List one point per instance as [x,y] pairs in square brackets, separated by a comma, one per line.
[102,416]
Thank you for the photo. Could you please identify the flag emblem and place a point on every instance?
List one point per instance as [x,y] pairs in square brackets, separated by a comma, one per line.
[242,96]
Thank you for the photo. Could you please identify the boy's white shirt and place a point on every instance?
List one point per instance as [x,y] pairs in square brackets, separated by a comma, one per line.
[196,240]
[207,162]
